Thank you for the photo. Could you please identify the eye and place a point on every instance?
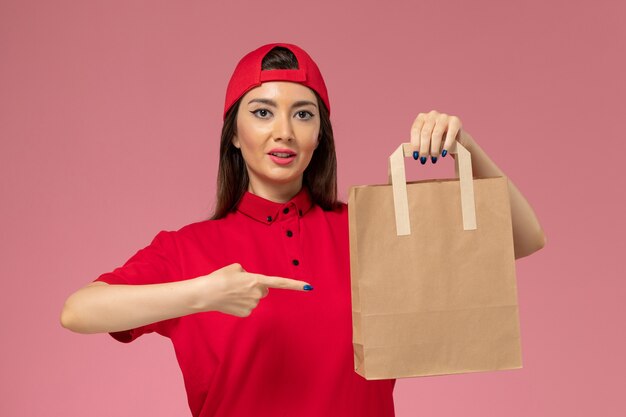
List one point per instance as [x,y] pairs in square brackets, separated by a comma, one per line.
[261,115]
[306,112]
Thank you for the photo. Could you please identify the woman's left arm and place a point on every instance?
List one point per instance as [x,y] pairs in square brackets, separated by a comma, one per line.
[427,136]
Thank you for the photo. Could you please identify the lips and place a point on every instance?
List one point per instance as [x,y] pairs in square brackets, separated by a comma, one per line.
[282,152]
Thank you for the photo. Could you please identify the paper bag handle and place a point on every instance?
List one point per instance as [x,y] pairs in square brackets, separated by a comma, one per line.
[397,178]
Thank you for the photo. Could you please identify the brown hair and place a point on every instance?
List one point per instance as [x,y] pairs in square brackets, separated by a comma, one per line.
[320,176]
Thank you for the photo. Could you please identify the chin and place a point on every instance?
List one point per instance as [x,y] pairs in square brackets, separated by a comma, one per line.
[281,180]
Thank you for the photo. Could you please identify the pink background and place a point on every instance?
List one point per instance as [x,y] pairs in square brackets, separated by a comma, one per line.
[109,127]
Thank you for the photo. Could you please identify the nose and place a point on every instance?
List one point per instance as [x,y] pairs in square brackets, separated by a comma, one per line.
[283,129]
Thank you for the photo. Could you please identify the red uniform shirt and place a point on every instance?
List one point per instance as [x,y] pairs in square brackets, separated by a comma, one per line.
[292,356]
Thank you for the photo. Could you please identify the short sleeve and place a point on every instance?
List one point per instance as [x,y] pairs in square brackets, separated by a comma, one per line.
[154,264]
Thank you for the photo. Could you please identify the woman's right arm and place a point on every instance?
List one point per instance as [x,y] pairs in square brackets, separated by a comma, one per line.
[100,307]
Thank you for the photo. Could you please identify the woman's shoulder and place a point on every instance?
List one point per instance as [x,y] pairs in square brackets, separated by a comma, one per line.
[202,226]
[342,207]
[196,228]
[339,210]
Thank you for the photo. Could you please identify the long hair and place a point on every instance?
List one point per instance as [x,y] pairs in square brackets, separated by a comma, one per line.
[320,176]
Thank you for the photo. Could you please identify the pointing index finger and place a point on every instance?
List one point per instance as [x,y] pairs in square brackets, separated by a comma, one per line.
[284,283]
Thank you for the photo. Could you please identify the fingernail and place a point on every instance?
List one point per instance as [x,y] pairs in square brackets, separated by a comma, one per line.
[433,159]
[416,155]
[444,153]
[307,287]
[423,160]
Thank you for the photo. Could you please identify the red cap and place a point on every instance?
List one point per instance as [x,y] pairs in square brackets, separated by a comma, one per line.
[248,74]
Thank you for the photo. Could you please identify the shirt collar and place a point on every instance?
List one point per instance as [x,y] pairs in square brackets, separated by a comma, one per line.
[267,211]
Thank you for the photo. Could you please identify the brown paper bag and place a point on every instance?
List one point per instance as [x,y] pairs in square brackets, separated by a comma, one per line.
[433,274]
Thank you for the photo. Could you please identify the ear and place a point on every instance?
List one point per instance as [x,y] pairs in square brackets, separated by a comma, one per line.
[235,141]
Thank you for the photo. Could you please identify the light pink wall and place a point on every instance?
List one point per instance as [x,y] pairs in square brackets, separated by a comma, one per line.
[109,128]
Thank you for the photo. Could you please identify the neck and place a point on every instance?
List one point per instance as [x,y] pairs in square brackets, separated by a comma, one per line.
[279,193]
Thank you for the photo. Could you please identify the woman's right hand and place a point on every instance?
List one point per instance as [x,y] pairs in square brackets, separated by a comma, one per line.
[232,290]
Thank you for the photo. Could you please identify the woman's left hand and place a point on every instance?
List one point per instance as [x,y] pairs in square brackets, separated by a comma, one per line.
[427,135]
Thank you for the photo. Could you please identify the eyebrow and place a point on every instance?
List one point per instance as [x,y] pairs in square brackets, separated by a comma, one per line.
[273,103]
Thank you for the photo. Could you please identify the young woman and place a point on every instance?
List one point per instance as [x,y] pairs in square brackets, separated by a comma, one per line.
[277,225]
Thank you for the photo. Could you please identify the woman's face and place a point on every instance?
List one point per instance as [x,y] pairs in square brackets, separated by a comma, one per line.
[277,116]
